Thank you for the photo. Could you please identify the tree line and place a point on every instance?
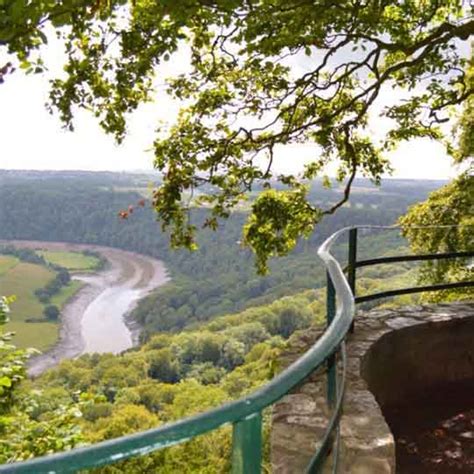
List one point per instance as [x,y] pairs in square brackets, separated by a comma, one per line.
[219,276]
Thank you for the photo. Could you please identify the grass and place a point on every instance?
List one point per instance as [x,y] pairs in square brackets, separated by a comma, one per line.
[22,279]
[6,263]
[38,335]
[73,261]
[66,293]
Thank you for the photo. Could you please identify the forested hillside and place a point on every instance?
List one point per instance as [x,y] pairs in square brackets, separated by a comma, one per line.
[217,278]
[212,334]
[175,375]
[169,377]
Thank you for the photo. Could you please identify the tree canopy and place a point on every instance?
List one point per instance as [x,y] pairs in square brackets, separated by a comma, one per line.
[451,208]
[263,74]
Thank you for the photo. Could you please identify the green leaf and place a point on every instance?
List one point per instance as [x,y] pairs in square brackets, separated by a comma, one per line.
[5,381]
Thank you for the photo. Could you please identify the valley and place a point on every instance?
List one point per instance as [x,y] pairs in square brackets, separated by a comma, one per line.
[210,328]
[94,319]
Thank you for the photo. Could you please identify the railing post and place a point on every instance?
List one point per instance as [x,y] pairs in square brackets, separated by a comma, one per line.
[331,362]
[247,445]
[351,268]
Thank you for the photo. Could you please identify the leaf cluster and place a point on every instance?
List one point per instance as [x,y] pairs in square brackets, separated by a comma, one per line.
[263,74]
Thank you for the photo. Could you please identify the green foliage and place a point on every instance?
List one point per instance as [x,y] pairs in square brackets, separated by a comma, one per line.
[93,411]
[125,419]
[25,435]
[464,132]
[278,219]
[216,279]
[451,205]
[173,376]
[51,312]
[12,362]
[162,366]
[243,97]
[5,308]
[144,402]
[31,424]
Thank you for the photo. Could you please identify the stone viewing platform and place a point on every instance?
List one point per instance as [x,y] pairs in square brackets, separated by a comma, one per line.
[393,355]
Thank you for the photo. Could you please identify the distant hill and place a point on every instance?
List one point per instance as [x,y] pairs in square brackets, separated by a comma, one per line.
[80,206]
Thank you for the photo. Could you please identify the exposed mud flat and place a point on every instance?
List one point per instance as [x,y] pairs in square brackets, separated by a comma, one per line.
[94,320]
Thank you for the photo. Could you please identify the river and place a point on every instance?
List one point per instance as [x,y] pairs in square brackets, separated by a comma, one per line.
[94,320]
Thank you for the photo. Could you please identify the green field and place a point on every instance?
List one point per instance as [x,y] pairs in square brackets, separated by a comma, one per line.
[66,293]
[22,279]
[73,261]
[6,263]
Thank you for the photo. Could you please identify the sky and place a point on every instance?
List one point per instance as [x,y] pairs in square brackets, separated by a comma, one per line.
[31,138]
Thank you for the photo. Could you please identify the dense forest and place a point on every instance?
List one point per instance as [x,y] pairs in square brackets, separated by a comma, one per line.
[169,377]
[212,334]
[219,277]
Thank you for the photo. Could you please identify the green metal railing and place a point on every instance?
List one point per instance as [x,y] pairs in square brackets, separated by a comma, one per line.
[245,414]
[354,264]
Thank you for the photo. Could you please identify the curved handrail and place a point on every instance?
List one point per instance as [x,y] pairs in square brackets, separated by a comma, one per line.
[236,412]
[319,457]
[145,442]
[337,275]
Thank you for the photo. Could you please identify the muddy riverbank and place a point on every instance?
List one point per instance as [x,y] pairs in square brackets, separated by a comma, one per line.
[94,320]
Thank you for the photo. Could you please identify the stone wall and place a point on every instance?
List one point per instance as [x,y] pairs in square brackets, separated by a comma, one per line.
[391,355]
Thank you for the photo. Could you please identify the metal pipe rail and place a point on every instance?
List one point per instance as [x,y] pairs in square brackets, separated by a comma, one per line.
[354,264]
[245,414]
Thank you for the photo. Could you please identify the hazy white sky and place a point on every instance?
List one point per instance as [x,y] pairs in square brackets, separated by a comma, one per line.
[31,138]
